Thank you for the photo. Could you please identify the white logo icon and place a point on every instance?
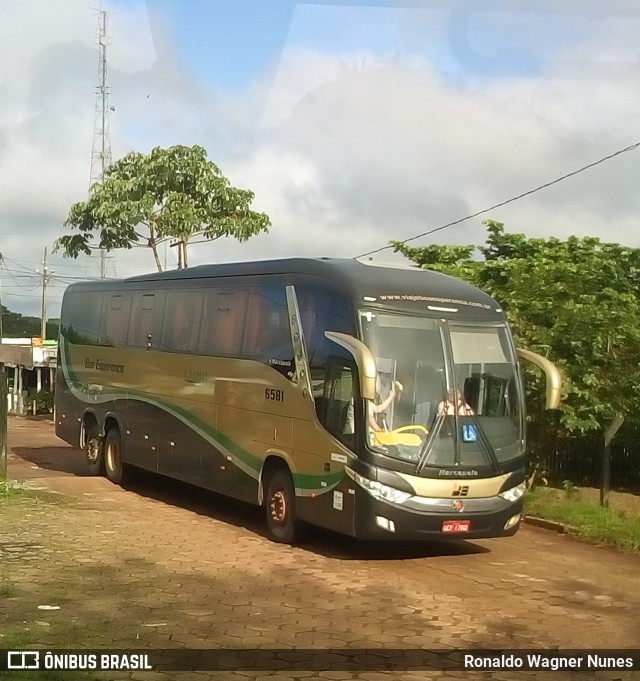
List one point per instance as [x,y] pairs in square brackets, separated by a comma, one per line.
[23,659]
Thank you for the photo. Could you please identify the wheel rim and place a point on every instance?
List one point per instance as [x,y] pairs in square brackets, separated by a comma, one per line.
[92,449]
[112,456]
[278,507]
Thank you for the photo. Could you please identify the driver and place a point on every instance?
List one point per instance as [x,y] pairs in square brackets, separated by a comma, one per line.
[396,390]
[373,410]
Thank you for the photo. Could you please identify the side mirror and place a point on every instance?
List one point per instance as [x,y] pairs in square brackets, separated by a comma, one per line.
[364,361]
[554,378]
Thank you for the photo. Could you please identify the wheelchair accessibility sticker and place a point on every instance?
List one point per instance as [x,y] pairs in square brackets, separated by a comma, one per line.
[469,433]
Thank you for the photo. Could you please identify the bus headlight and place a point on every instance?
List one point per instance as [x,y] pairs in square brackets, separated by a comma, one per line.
[379,491]
[514,493]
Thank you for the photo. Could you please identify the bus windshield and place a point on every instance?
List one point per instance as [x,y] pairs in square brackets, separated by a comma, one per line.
[448,393]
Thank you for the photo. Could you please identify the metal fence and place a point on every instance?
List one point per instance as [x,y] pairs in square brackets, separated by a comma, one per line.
[580,461]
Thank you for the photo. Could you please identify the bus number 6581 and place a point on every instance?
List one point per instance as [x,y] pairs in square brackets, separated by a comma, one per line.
[273,394]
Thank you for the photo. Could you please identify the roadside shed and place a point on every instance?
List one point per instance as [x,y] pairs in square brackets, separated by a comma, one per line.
[30,364]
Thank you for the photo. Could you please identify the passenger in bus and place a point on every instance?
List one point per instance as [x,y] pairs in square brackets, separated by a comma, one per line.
[455,404]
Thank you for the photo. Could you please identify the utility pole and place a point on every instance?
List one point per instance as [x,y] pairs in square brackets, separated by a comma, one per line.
[101,147]
[45,283]
[180,246]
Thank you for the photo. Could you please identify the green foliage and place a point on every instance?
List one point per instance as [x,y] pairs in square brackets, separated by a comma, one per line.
[7,490]
[173,193]
[455,261]
[586,519]
[43,401]
[576,302]
[15,325]
[7,588]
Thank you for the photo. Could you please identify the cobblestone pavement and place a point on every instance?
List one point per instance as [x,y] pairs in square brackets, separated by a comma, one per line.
[161,564]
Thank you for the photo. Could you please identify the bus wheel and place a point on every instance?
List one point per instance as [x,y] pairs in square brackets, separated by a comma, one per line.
[94,451]
[280,506]
[114,467]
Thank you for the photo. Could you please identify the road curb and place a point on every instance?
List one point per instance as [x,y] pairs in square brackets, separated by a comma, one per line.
[549,525]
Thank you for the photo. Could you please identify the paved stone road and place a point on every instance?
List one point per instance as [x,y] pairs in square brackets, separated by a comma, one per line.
[161,564]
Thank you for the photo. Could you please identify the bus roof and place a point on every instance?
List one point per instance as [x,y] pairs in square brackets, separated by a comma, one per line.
[392,284]
[319,266]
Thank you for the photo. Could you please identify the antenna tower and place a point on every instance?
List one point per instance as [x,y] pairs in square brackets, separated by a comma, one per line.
[101,147]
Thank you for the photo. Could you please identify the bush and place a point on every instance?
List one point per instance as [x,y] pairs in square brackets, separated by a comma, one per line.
[43,401]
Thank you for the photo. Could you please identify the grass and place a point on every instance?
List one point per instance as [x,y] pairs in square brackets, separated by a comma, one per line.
[22,641]
[35,496]
[585,519]
[7,490]
[7,588]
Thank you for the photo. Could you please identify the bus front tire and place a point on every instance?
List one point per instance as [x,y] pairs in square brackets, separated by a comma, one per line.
[94,451]
[113,464]
[280,506]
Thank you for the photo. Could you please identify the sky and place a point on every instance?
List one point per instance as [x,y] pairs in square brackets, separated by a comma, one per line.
[354,122]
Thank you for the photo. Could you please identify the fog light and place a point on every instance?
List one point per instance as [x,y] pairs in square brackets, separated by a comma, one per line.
[385,523]
[512,521]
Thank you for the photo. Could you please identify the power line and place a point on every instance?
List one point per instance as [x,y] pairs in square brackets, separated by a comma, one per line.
[631,147]
[65,278]
[15,264]
[32,296]
[63,263]
[10,273]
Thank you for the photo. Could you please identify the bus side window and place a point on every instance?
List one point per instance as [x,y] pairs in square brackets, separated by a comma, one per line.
[223,323]
[209,311]
[267,330]
[323,310]
[83,314]
[183,313]
[146,319]
[337,411]
[116,311]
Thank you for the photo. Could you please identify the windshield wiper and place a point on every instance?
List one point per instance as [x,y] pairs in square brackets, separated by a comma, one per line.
[427,446]
[485,444]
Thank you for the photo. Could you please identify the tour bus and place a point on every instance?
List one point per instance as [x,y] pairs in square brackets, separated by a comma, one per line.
[382,402]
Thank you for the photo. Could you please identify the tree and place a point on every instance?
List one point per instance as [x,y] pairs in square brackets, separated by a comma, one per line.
[575,301]
[173,193]
[15,325]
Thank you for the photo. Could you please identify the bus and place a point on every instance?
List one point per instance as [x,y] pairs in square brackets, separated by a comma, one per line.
[320,389]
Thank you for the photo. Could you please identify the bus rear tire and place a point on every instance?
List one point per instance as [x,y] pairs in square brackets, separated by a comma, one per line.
[280,506]
[94,451]
[115,469]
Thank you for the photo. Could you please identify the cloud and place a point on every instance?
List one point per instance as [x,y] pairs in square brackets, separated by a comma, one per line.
[395,149]
[47,84]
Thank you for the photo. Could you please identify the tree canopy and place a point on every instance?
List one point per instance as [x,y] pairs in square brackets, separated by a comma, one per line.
[576,302]
[145,199]
[15,325]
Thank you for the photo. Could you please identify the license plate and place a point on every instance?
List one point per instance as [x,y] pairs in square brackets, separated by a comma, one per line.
[449,526]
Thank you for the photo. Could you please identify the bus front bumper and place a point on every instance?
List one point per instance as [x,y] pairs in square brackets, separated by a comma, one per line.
[460,519]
